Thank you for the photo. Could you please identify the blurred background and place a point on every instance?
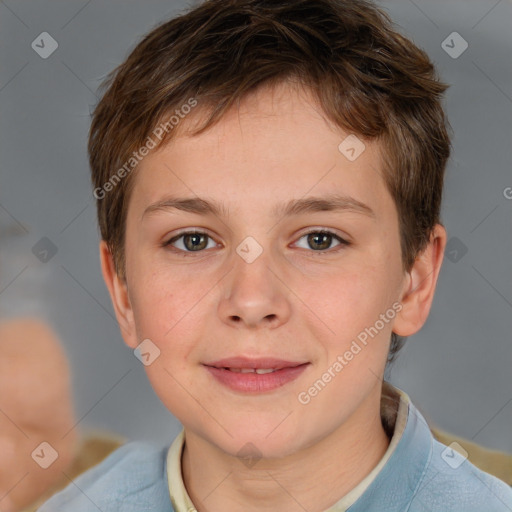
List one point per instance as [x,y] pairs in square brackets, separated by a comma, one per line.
[457,369]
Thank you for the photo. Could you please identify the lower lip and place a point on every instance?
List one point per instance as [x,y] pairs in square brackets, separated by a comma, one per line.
[255,382]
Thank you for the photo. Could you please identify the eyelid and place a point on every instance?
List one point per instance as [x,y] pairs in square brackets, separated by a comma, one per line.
[322,229]
[191,231]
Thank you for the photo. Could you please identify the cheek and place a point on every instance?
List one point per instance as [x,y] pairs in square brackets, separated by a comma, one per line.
[346,300]
[159,298]
[166,304]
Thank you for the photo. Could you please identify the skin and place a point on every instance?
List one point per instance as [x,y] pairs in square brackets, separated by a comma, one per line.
[35,407]
[292,302]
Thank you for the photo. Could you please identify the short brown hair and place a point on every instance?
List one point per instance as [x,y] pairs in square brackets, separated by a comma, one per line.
[368,79]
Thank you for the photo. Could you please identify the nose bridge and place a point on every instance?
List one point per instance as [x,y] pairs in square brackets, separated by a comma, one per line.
[252,294]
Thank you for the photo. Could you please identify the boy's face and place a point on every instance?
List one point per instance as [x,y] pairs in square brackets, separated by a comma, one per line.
[291,302]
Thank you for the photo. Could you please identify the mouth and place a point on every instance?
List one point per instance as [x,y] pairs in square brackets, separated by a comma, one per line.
[255,375]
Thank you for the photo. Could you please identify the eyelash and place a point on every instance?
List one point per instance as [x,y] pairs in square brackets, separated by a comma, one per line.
[342,242]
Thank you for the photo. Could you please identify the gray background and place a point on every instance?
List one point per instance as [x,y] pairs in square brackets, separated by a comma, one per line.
[457,369]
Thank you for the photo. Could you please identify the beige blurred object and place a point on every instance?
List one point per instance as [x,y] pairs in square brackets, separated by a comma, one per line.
[35,407]
[93,449]
[495,462]
[491,461]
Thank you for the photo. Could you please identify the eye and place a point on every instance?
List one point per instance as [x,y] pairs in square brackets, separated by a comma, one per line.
[190,241]
[321,240]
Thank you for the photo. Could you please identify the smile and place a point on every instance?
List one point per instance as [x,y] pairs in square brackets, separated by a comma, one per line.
[255,380]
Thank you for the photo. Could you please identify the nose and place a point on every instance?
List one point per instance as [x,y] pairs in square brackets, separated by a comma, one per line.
[254,295]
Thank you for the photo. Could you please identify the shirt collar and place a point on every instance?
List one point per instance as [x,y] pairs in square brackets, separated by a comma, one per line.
[395,412]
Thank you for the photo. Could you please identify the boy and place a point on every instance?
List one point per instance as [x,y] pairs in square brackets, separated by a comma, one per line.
[268,177]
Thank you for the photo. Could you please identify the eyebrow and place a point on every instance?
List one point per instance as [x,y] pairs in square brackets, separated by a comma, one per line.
[197,205]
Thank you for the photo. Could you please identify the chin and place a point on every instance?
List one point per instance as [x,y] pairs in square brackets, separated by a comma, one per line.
[256,442]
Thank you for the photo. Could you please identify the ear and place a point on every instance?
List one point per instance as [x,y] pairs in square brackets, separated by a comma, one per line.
[420,285]
[118,290]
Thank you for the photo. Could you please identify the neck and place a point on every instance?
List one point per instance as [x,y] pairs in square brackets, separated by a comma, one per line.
[313,479]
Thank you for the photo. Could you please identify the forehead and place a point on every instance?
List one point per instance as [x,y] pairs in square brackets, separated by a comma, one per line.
[275,145]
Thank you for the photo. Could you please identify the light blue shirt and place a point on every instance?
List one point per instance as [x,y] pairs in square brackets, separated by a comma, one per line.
[417,474]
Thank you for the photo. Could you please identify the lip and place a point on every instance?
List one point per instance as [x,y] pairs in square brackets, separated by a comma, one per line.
[259,362]
[285,372]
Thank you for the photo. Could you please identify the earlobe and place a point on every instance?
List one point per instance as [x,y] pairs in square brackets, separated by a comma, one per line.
[420,285]
[118,290]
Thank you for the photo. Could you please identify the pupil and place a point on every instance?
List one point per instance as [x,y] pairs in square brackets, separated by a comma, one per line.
[319,236]
[196,239]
